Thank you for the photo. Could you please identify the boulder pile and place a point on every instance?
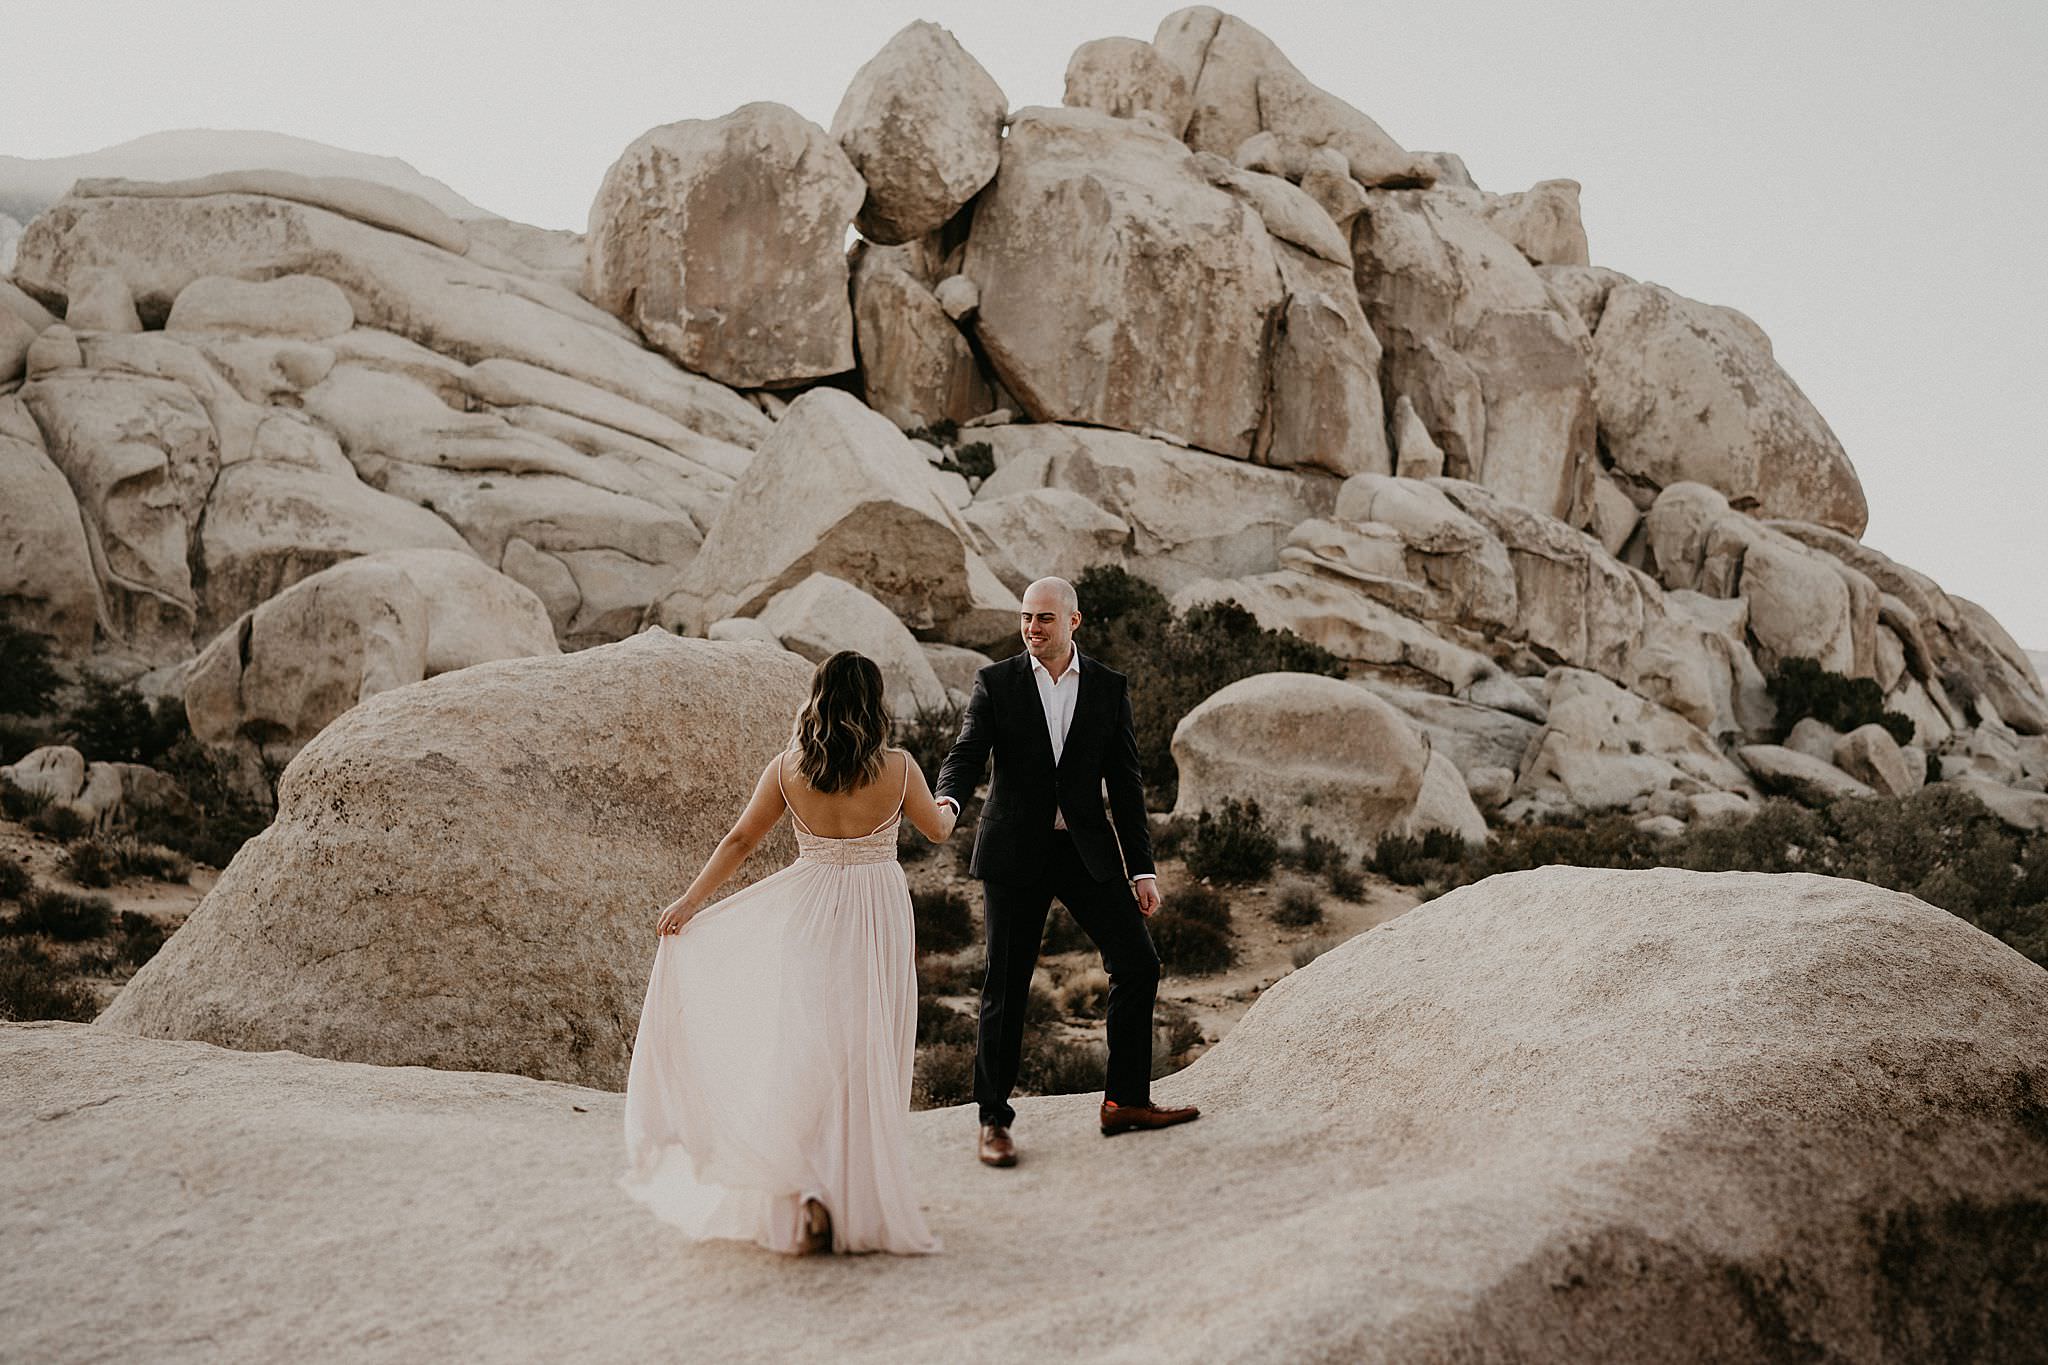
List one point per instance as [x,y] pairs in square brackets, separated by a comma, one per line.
[1205,321]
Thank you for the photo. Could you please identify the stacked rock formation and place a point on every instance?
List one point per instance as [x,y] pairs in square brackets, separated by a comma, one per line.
[1213,324]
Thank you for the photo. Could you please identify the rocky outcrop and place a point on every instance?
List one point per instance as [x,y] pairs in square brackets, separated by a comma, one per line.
[916,366]
[922,124]
[1762,1134]
[838,490]
[1498,373]
[1605,748]
[1312,751]
[1128,78]
[1118,286]
[279,675]
[823,615]
[1191,515]
[1687,394]
[722,241]
[474,864]
[47,580]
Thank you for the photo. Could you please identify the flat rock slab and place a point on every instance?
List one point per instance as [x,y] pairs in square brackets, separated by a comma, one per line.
[1560,1115]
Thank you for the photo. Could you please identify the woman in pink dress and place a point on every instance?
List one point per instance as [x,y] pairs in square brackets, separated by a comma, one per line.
[770,1087]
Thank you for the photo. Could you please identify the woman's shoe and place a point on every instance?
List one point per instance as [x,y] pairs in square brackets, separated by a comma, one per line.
[817,1236]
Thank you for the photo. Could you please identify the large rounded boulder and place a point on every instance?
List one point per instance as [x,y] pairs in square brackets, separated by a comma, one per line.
[723,242]
[1560,1116]
[1310,750]
[464,873]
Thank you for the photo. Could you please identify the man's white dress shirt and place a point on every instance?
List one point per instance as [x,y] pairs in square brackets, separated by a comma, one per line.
[1057,696]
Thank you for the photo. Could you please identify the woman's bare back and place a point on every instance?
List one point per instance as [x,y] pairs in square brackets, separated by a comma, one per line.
[848,814]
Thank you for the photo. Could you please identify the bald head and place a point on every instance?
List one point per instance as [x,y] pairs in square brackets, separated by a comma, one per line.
[1051,611]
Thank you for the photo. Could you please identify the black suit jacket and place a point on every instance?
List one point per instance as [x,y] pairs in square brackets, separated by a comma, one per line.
[1006,721]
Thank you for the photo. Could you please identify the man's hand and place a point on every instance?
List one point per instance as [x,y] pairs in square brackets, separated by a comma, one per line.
[1147,890]
[673,919]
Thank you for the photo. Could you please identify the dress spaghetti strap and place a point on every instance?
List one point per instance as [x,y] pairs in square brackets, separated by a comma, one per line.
[785,794]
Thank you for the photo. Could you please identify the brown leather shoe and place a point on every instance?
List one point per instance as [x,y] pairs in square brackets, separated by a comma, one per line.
[995,1148]
[1121,1118]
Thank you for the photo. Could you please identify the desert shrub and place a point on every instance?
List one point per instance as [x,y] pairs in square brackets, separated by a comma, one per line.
[928,735]
[1308,950]
[1412,859]
[1085,994]
[1343,880]
[1060,1066]
[19,803]
[15,882]
[1179,1034]
[974,460]
[940,976]
[1802,688]
[938,1022]
[20,735]
[1169,837]
[62,915]
[222,818]
[138,936]
[1233,844]
[1940,844]
[1297,905]
[28,680]
[114,723]
[911,846]
[941,433]
[89,862]
[944,923]
[33,987]
[1313,853]
[1191,936]
[943,1075]
[1175,661]
[58,820]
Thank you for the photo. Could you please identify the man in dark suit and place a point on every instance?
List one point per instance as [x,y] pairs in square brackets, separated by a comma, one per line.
[1058,725]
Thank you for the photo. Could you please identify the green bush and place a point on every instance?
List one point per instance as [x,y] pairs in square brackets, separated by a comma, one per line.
[1176,661]
[140,937]
[15,882]
[1308,950]
[943,1076]
[28,681]
[1233,844]
[221,819]
[32,987]
[941,433]
[1940,844]
[938,1022]
[975,460]
[928,735]
[88,862]
[1085,995]
[1343,880]
[1313,854]
[938,976]
[1191,933]
[1182,1035]
[113,723]
[19,803]
[1802,688]
[1064,934]
[1297,906]
[62,915]
[1059,1066]
[1411,860]
[22,735]
[58,820]
[944,923]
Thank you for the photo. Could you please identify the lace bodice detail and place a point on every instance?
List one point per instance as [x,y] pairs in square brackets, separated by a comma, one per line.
[878,847]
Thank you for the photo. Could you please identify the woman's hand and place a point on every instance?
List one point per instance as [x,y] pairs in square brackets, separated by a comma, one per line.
[673,919]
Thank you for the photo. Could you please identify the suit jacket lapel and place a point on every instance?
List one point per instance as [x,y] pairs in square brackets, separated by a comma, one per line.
[1086,692]
[1033,708]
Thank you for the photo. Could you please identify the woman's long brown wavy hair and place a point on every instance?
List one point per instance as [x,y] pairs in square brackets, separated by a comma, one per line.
[840,733]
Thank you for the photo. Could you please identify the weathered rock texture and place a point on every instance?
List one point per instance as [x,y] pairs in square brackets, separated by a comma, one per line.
[1560,1115]
[922,124]
[722,242]
[464,873]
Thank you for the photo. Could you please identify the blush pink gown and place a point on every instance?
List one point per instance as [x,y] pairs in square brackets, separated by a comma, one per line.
[774,1055]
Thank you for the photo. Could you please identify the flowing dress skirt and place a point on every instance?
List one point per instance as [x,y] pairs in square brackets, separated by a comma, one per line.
[773,1063]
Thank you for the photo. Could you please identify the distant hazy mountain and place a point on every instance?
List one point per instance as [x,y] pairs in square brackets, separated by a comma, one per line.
[10,233]
[2039,657]
[30,185]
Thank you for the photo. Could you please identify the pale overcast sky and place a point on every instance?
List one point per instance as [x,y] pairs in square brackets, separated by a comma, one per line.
[1863,179]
